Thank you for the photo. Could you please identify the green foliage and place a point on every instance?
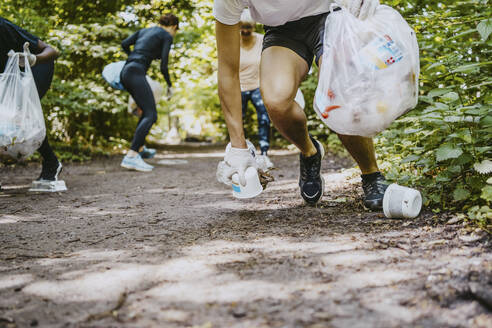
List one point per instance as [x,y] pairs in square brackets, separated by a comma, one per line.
[443,145]
[83,114]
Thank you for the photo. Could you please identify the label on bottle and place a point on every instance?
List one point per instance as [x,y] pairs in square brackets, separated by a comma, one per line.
[380,53]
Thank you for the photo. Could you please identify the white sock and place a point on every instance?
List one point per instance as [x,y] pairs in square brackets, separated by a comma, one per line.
[131,153]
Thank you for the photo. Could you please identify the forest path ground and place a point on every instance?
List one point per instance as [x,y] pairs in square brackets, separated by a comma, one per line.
[172,248]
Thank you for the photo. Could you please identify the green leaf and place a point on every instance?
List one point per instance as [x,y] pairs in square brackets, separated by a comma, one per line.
[447,151]
[484,149]
[469,68]
[487,120]
[441,106]
[453,119]
[483,167]
[442,177]
[487,193]
[475,182]
[460,194]
[465,135]
[489,180]
[437,64]
[427,99]
[438,92]
[411,158]
[450,97]
[461,34]
[473,111]
[463,159]
[485,28]
[454,169]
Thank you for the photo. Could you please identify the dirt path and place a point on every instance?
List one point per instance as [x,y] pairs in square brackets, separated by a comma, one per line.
[173,249]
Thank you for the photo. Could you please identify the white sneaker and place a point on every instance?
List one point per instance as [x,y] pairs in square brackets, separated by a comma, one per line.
[264,163]
[136,163]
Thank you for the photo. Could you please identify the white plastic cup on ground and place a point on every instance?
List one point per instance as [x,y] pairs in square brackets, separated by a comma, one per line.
[252,188]
[401,202]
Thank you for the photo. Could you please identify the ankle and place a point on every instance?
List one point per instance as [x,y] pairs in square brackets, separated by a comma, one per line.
[131,153]
[311,149]
[369,177]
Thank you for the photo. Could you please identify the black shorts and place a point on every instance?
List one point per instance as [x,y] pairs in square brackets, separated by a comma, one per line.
[303,36]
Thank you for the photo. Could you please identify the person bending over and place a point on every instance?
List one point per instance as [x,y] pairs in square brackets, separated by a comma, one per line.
[293,37]
[149,44]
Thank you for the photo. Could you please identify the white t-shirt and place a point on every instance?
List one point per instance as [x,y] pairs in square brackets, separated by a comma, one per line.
[249,65]
[269,12]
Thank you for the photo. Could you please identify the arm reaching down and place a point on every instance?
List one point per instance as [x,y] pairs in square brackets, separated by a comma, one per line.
[238,158]
[166,47]
[228,52]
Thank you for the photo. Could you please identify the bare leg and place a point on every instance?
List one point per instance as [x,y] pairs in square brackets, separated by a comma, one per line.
[281,72]
[362,150]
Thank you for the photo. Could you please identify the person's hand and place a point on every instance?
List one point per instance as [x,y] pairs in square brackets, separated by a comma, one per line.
[27,53]
[362,9]
[170,92]
[236,160]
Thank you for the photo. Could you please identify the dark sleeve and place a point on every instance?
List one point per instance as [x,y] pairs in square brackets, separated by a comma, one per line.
[166,47]
[125,44]
[18,36]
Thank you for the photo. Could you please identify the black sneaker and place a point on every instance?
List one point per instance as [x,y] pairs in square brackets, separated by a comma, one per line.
[311,182]
[50,171]
[374,186]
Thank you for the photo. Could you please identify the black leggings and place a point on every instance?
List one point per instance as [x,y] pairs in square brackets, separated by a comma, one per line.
[133,78]
[43,75]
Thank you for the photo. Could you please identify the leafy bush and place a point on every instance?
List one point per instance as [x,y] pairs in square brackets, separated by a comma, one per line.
[443,146]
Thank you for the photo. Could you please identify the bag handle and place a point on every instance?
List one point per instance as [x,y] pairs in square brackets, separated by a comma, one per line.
[12,62]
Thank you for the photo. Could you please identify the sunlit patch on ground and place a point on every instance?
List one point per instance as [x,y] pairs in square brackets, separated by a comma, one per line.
[173,248]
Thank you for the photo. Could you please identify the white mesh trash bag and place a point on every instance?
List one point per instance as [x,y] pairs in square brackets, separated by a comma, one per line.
[369,73]
[22,128]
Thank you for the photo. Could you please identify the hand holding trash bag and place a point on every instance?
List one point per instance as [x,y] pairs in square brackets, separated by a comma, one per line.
[361,9]
[22,127]
[25,55]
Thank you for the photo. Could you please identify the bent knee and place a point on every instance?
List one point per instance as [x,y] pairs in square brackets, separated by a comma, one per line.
[151,117]
[277,105]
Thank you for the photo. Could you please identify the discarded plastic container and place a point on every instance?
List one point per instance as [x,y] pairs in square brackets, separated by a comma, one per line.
[253,186]
[401,202]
